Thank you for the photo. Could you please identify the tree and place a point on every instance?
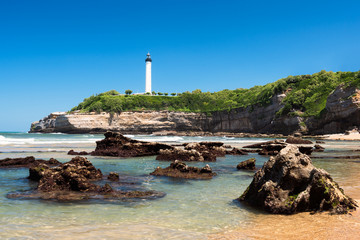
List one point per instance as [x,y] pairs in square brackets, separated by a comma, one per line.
[173,94]
[128,92]
[147,93]
[153,93]
[166,94]
[160,93]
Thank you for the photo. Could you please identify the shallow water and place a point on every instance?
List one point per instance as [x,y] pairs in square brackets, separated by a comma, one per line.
[191,209]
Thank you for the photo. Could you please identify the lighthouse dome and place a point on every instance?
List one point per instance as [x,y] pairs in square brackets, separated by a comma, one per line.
[148,58]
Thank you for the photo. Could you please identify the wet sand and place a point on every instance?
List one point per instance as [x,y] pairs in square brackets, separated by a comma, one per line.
[353,136]
[304,226]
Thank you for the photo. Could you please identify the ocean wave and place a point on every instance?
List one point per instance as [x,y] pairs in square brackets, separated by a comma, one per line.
[161,139]
[43,141]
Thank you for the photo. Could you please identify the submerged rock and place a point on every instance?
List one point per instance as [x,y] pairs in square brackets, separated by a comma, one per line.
[318,148]
[297,140]
[181,170]
[247,164]
[72,152]
[117,145]
[26,162]
[289,183]
[74,180]
[272,148]
[236,151]
[113,176]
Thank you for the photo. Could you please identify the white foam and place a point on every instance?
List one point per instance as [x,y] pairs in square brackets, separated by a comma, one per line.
[43,141]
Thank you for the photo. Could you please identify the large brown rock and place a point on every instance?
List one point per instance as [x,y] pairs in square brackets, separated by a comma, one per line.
[117,145]
[289,183]
[181,170]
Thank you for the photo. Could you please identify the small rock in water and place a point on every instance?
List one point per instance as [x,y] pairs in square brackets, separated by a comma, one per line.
[113,176]
[247,164]
[179,169]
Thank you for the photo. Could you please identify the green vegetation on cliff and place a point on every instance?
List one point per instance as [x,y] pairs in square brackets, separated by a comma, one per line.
[305,96]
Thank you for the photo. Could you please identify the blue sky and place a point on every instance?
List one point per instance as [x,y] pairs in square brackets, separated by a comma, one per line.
[53,54]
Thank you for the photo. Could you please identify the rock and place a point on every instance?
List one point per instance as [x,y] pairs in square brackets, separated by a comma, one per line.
[74,181]
[213,148]
[342,112]
[289,183]
[184,155]
[319,148]
[132,122]
[247,164]
[179,169]
[26,162]
[297,140]
[236,151]
[320,141]
[113,176]
[72,152]
[272,148]
[260,145]
[117,145]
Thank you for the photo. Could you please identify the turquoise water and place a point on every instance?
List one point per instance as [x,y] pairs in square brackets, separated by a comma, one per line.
[191,209]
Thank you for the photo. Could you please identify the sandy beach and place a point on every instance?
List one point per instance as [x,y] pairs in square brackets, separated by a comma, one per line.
[351,136]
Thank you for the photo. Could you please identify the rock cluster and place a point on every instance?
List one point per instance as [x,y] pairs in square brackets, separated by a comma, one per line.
[289,183]
[247,164]
[297,140]
[82,153]
[181,170]
[272,148]
[202,151]
[26,162]
[117,145]
[74,180]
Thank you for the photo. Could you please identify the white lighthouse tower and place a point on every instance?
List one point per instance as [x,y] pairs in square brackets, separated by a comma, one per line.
[148,73]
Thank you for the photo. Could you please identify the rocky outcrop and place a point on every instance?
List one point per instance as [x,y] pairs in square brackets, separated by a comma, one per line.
[26,162]
[125,122]
[179,169]
[72,181]
[201,151]
[72,152]
[297,140]
[184,155]
[272,148]
[117,145]
[208,148]
[289,183]
[342,112]
[236,151]
[247,164]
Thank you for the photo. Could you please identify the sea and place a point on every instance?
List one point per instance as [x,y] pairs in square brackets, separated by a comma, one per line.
[191,209]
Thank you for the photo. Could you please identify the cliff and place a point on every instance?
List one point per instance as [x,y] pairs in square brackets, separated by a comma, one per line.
[125,122]
[341,113]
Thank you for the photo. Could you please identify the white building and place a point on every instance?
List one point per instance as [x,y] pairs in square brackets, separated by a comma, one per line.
[148,73]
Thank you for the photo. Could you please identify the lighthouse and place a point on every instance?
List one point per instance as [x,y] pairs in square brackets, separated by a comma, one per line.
[148,73]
